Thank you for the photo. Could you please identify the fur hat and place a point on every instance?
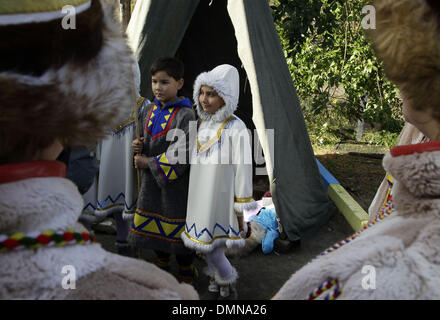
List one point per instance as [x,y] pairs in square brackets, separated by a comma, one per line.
[58,83]
[224,79]
[407,39]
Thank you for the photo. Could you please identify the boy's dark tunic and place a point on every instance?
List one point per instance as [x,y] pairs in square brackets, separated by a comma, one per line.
[161,208]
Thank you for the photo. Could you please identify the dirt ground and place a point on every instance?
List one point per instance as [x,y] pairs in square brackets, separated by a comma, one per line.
[359,173]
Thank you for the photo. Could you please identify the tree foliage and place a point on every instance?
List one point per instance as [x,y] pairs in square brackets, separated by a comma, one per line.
[332,63]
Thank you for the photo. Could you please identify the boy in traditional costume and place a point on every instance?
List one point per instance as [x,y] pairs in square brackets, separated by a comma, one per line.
[61,87]
[162,156]
[398,257]
[221,177]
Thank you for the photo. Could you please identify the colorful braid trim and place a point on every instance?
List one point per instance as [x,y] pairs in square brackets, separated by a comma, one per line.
[34,240]
[327,285]
[386,210]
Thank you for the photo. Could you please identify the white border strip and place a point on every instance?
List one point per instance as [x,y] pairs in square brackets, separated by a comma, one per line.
[23,18]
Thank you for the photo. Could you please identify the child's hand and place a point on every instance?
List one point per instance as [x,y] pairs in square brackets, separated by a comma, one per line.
[137,145]
[141,161]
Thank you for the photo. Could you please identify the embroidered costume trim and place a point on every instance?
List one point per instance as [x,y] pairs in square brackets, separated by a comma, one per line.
[213,239]
[327,285]
[159,121]
[168,171]
[103,207]
[387,207]
[226,231]
[208,144]
[154,225]
[244,200]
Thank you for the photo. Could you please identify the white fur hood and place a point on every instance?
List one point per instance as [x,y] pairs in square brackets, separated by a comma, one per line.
[403,250]
[226,81]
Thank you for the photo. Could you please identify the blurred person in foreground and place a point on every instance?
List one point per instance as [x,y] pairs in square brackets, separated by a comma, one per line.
[398,257]
[61,87]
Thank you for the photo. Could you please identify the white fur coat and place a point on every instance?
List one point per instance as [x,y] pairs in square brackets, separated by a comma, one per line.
[39,204]
[398,258]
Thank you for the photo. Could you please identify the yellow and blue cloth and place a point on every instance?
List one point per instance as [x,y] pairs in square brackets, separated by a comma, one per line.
[157,226]
[159,119]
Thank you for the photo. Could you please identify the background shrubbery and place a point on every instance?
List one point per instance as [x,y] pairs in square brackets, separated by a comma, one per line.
[334,68]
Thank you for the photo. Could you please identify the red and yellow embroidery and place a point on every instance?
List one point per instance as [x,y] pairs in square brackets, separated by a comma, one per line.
[48,238]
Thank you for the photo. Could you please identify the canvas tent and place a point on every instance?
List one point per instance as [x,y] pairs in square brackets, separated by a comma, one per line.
[204,34]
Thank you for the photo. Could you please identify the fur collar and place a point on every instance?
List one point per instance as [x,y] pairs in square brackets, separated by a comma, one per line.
[39,204]
[220,116]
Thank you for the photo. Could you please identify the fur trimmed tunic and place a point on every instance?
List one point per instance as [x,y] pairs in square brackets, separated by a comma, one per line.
[161,208]
[403,249]
[220,186]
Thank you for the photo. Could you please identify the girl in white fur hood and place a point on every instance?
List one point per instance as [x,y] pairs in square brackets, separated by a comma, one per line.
[220,178]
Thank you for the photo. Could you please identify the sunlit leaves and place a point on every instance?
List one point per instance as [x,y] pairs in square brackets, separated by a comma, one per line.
[332,63]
